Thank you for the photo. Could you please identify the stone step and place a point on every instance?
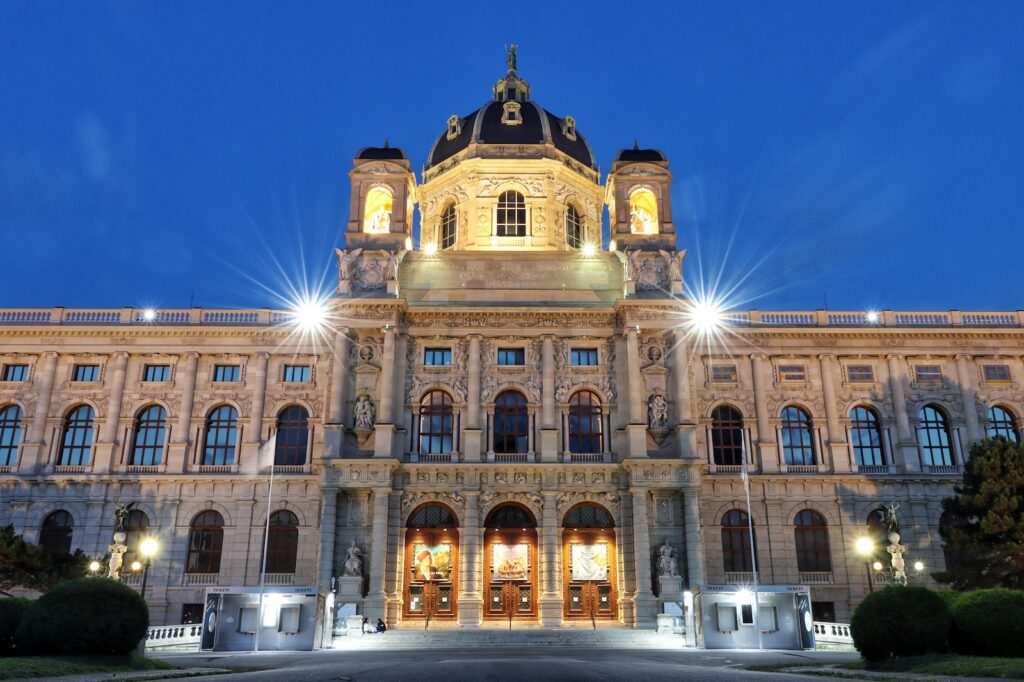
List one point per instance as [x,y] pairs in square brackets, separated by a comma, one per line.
[486,638]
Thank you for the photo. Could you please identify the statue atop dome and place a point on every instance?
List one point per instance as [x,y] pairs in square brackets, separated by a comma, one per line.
[510,56]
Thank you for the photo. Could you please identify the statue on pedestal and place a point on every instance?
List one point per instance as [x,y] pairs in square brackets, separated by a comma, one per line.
[365,412]
[118,548]
[353,562]
[668,565]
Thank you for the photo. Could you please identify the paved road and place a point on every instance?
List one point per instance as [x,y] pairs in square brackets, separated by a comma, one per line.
[529,665]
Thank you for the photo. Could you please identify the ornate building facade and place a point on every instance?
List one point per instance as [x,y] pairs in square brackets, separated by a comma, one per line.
[511,419]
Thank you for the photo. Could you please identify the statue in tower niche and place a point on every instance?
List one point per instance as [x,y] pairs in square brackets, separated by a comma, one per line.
[365,412]
[118,548]
[657,412]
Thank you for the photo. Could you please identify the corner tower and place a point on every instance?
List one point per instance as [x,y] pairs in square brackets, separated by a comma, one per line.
[383,199]
[639,198]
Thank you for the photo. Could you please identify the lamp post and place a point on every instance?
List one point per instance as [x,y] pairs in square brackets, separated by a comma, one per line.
[148,549]
[865,549]
[94,567]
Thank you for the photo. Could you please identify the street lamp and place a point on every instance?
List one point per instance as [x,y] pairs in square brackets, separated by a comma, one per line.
[94,566]
[147,548]
[865,549]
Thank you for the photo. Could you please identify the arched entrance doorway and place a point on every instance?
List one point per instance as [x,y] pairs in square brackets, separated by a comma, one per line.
[588,560]
[510,546]
[431,563]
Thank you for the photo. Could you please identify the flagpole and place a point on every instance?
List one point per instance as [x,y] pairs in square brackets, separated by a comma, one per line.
[266,540]
[753,548]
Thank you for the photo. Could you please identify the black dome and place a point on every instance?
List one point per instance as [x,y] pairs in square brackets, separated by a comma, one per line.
[636,154]
[385,153]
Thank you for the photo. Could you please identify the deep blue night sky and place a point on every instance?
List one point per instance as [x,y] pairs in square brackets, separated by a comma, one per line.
[870,152]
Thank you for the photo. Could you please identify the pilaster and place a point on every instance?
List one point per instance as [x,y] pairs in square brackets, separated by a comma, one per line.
[337,396]
[967,395]
[549,428]
[840,461]
[766,445]
[32,454]
[376,599]
[471,599]
[645,605]
[178,448]
[686,426]
[551,567]
[328,523]
[906,443]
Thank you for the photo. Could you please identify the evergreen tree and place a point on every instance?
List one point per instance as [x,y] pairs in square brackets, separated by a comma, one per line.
[983,524]
[31,567]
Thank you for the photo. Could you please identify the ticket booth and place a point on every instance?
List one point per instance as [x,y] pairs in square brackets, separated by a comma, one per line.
[733,617]
[291,619]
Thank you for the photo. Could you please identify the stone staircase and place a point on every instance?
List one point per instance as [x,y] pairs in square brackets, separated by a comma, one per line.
[485,638]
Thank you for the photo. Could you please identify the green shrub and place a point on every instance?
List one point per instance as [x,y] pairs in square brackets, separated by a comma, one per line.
[900,621]
[989,623]
[12,610]
[95,616]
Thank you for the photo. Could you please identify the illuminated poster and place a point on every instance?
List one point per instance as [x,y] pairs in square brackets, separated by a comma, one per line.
[431,562]
[590,562]
[511,562]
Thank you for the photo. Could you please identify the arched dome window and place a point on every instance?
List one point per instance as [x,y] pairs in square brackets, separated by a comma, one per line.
[585,435]
[737,556]
[643,212]
[148,440]
[573,228]
[437,423]
[377,210]
[866,437]
[511,423]
[1001,422]
[205,543]
[449,227]
[511,219]
[811,533]
[10,434]
[221,433]
[76,439]
[292,438]
[282,542]
[727,436]
[797,437]
[934,437]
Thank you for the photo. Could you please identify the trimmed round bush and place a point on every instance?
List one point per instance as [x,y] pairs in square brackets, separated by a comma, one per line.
[96,616]
[12,610]
[989,623]
[900,621]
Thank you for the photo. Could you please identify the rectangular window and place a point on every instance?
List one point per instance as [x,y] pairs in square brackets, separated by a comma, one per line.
[860,373]
[747,614]
[792,373]
[723,374]
[192,614]
[997,374]
[511,356]
[296,373]
[928,374]
[15,372]
[86,373]
[156,373]
[226,373]
[583,357]
[437,356]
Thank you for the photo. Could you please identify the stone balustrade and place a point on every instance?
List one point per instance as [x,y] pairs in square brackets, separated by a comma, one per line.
[832,635]
[174,636]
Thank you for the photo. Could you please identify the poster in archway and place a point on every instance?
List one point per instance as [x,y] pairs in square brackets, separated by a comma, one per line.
[511,562]
[432,562]
[590,562]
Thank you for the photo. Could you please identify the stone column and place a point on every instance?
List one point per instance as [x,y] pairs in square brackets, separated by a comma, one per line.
[471,599]
[472,432]
[107,450]
[967,395]
[376,599]
[549,423]
[258,379]
[551,564]
[687,426]
[836,436]
[334,430]
[636,430]
[906,444]
[766,444]
[328,523]
[694,543]
[33,454]
[385,427]
[178,448]
[645,604]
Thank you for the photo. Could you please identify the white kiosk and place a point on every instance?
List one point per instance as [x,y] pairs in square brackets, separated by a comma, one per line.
[725,617]
[293,619]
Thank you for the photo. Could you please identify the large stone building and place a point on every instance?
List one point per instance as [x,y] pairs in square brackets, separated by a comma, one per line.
[509,417]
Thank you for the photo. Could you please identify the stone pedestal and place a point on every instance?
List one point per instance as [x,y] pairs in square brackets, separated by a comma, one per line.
[670,588]
[665,623]
[385,434]
[354,625]
[549,445]
[348,589]
[550,612]
[636,435]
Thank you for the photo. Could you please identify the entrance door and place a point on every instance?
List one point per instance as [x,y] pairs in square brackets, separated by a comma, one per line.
[508,600]
[510,546]
[431,564]
[588,561]
[430,600]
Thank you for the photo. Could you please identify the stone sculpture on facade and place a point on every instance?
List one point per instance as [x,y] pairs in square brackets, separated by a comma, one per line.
[346,267]
[118,548]
[894,548]
[353,562]
[365,413]
[657,412]
[668,564]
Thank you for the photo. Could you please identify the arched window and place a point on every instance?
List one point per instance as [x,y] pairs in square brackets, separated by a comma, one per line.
[148,437]
[1001,422]
[432,516]
[950,521]
[282,542]
[56,532]
[585,433]
[205,542]
[292,437]
[136,527]
[76,439]
[437,423]
[934,437]
[510,515]
[812,552]
[588,515]
[10,435]
[866,436]
[511,214]
[736,554]
[727,436]
[643,212]
[511,423]
[797,437]
[377,210]
[449,227]
[573,228]
[221,431]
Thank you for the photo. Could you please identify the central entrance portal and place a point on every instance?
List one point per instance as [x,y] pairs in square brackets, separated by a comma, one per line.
[510,545]
[431,563]
[588,547]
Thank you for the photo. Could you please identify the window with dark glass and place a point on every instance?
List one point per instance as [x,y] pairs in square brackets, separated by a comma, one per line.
[723,374]
[511,423]
[727,436]
[812,552]
[136,527]
[192,614]
[573,228]
[86,373]
[790,373]
[437,423]
[10,434]
[226,373]
[866,436]
[997,374]
[860,373]
[583,357]
[148,437]
[156,373]
[15,372]
[511,215]
[588,515]
[736,554]
[797,432]
[205,543]
[432,516]
[449,227]
[296,373]
[76,437]
[282,542]
[585,433]
[292,438]
[437,356]
[928,374]
[221,432]
[1001,422]
[511,356]
[934,436]
[56,533]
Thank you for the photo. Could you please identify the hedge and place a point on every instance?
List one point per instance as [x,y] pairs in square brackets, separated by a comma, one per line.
[989,623]
[900,621]
[12,611]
